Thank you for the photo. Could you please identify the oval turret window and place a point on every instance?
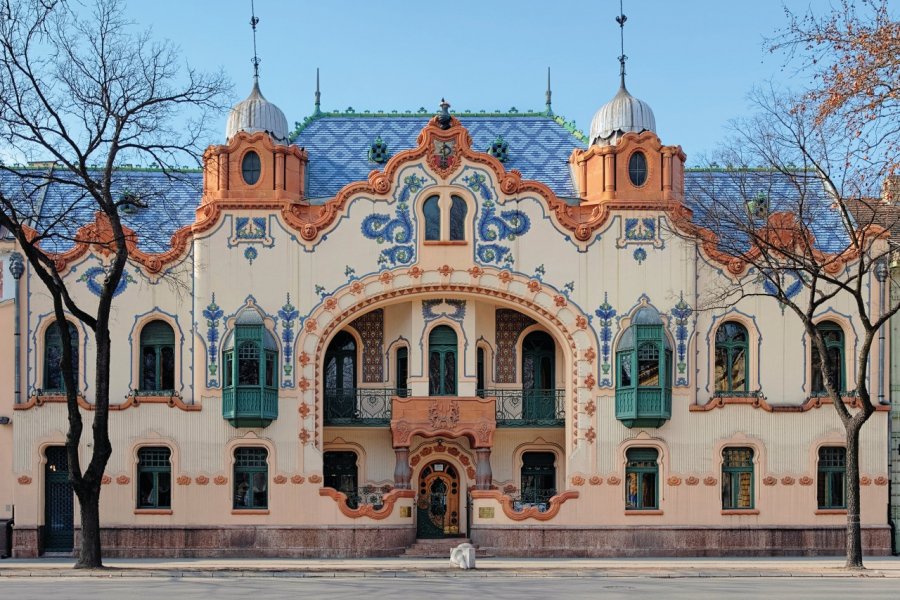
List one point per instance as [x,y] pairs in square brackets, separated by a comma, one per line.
[250,168]
[637,169]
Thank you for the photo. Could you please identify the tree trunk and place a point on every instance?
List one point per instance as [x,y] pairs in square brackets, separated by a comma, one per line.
[89,555]
[854,532]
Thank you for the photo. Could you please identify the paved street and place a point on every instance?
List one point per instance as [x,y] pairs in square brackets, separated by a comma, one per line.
[189,588]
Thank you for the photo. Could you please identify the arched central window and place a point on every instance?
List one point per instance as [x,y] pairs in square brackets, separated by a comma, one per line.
[644,372]
[53,353]
[442,361]
[457,219]
[732,360]
[834,361]
[432,212]
[340,378]
[157,357]
[538,377]
[250,380]
[444,221]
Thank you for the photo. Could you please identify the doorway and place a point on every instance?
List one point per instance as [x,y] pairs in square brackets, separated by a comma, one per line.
[59,509]
[438,502]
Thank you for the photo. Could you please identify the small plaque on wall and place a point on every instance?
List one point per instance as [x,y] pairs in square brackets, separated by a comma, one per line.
[485,512]
[406,511]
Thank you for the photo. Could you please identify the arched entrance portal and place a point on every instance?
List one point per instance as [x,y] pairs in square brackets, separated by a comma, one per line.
[437,502]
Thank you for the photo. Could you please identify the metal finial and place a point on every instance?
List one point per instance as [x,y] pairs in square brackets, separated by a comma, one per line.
[549,94]
[318,93]
[444,115]
[622,58]
[254,21]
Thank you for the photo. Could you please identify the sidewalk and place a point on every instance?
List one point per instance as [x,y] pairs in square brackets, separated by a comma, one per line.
[487,567]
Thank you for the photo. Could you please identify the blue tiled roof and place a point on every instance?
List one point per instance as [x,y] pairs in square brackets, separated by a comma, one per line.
[708,192]
[338,145]
[171,202]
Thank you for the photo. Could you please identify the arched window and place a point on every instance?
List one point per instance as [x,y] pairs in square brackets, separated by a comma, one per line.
[641,479]
[458,211]
[479,371]
[53,352]
[442,361]
[644,372]
[539,398]
[340,378]
[737,478]
[341,473]
[538,478]
[157,356]
[251,478]
[402,371]
[249,363]
[732,357]
[834,362]
[432,212]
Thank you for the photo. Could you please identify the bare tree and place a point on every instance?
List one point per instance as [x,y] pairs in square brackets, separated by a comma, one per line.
[783,216]
[80,88]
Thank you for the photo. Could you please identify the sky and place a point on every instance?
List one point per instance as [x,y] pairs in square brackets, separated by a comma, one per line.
[693,61]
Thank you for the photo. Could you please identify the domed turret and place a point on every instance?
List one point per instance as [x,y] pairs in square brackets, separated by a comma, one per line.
[621,115]
[257,114]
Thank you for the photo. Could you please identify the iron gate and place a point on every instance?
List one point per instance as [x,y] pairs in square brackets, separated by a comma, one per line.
[58,502]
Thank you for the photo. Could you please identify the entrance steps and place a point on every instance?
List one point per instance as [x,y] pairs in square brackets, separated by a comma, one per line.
[439,548]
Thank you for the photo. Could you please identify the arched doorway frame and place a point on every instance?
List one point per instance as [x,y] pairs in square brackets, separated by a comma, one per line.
[565,322]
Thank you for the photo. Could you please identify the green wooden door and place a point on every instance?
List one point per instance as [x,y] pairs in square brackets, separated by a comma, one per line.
[58,502]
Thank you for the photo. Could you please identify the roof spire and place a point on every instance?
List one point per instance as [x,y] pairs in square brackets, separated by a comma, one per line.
[549,94]
[254,20]
[622,58]
[317,109]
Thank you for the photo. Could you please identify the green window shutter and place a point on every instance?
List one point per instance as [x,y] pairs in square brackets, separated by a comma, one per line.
[157,333]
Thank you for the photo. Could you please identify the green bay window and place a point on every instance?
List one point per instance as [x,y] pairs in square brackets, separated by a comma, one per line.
[737,478]
[157,357]
[644,372]
[732,357]
[831,486]
[641,479]
[251,478]
[250,379]
[154,478]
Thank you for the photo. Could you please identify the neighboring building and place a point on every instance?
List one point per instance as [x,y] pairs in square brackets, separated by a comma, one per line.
[400,326]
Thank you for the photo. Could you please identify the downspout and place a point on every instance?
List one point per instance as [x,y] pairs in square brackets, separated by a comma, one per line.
[881,274]
[16,267]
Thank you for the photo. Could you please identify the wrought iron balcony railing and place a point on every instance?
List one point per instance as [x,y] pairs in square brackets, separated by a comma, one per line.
[528,408]
[360,406]
[738,394]
[533,497]
[368,494]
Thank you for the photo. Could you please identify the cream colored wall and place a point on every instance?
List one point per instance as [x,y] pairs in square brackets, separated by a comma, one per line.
[7,398]
[203,441]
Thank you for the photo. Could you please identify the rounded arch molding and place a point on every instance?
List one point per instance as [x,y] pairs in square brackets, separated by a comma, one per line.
[567,323]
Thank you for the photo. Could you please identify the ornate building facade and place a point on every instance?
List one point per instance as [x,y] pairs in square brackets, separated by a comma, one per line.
[379,328]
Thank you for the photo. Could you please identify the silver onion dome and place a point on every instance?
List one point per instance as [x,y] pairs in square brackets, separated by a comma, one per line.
[621,115]
[257,114]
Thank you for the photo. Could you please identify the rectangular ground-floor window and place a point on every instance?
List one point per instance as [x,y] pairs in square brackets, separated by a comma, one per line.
[641,479]
[154,478]
[737,478]
[251,478]
[832,471]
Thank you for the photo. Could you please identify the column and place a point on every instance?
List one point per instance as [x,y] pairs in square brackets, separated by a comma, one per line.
[483,475]
[402,472]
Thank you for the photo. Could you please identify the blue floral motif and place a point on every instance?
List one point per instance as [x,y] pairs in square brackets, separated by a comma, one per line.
[478,184]
[397,231]
[89,278]
[539,272]
[569,288]
[681,312]
[640,255]
[212,313]
[247,228]
[457,310]
[288,316]
[493,229]
[606,313]
[640,230]
[251,253]
[320,291]
[789,290]
[349,272]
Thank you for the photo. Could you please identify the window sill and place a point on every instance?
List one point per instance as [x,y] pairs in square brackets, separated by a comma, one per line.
[740,511]
[250,511]
[831,511]
[445,242]
[153,511]
[643,512]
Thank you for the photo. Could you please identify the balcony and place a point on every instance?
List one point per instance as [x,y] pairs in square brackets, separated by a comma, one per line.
[528,408]
[361,407]
[643,407]
[249,406]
